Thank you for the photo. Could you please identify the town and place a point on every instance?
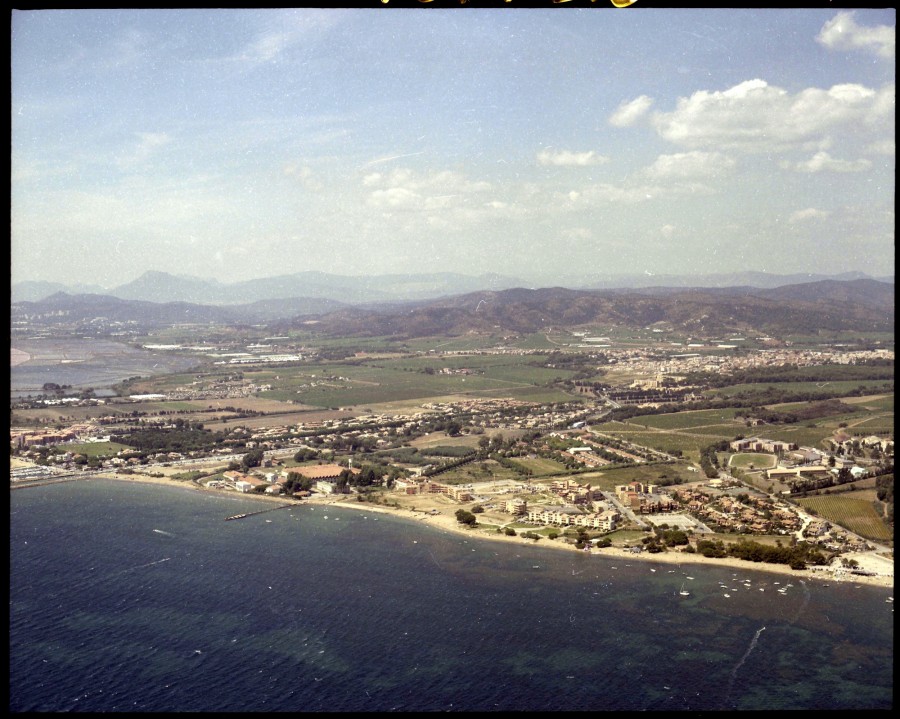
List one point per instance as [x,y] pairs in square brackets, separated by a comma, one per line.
[541,469]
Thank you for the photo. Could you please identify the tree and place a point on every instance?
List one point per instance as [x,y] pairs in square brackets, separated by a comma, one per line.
[253,458]
[464,517]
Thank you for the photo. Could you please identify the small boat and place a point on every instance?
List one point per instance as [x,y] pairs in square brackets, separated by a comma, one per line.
[726,595]
[684,593]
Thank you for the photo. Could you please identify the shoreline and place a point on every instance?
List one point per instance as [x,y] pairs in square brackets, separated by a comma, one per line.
[447,522]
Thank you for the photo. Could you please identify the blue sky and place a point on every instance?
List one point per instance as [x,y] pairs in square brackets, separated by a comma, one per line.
[549,144]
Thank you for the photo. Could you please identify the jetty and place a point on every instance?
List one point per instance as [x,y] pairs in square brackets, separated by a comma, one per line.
[259,511]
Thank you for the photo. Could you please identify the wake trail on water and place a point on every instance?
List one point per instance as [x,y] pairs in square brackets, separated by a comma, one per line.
[741,663]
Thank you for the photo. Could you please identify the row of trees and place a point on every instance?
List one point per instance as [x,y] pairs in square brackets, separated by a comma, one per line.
[797,556]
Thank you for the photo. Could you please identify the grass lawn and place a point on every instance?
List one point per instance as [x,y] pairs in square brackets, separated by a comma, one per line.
[540,465]
[752,460]
[95,449]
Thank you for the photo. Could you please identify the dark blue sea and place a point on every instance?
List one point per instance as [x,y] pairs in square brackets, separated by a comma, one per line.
[130,597]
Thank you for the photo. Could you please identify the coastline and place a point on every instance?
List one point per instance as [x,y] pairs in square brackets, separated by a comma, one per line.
[447,522]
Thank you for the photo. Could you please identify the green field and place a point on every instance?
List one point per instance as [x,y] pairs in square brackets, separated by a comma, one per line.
[609,479]
[479,471]
[95,449]
[670,442]
[883,404]
[540,465]
[410,378]
[686,420]
[751,459]
[853,510]
[838,386]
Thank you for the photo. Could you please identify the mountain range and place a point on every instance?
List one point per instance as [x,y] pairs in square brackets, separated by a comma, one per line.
[154,286]
[833,305]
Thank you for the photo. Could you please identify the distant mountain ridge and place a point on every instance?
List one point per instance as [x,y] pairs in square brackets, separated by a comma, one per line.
[863,305]
[154,286]
[854,305]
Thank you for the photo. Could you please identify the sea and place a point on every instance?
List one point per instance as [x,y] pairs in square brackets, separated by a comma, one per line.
[128,597]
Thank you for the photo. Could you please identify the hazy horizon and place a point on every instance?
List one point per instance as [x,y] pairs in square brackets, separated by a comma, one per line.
[545,144]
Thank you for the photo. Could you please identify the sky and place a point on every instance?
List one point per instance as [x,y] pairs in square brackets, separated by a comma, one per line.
[549,143]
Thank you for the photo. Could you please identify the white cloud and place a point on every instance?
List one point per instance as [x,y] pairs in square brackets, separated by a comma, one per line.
[372,178]
[754,116]
[394,197]
[566,158]
[842,33]
[630,112]
[822,161]
[405,189]
[810,213]
[689,164]
[882,147]
[631,194]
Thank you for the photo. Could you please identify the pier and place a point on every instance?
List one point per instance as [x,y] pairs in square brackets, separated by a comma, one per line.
[259,511]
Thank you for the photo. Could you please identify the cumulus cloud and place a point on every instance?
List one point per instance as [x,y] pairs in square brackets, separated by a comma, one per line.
[689,164]
[842,33]
[810,213]
[754,116]
[630,112]
[823,162]
[566,158]
[403,188]
[631,194]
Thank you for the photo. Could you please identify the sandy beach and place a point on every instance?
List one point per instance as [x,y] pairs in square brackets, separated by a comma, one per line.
[446,520]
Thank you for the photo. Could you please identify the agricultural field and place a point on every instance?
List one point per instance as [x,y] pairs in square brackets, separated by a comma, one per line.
[666,441]
[800,434]
[752,460]
[687,420]
[875,403]
[839,386]
[853,510]
[541,466]
[875,425]
[405,378]
[442,439]
[654,473]
[479,471]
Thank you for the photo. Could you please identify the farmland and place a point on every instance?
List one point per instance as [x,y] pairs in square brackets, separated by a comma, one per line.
[853,510]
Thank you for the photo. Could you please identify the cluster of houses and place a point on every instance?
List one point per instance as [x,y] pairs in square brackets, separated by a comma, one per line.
[801,463]
[21,439]
[759,444]
[325,476]
[643,498]
[756,514]
[420,485]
